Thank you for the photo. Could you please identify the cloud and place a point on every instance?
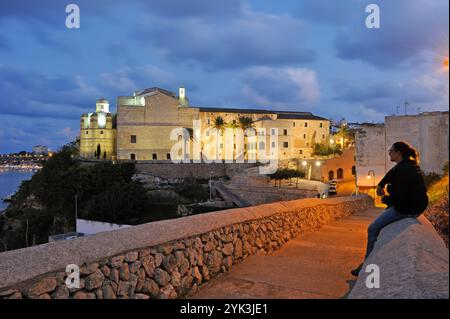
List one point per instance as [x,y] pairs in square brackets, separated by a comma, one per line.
[427,91]
[287,87]
[249,39]
[410,30]
[32,94]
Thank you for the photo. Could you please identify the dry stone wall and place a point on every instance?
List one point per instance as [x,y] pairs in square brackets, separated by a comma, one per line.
[172,268]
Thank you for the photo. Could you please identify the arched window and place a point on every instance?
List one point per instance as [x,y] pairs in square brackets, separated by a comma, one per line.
[330,175]
[354,170]
[340,173]
[132,156]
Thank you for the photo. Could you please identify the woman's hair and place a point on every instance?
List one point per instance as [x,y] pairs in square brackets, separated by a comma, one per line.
[407,151]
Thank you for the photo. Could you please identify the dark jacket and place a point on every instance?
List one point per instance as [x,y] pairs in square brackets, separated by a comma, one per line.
[406,188]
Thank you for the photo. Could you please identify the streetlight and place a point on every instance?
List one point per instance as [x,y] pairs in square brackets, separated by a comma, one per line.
[210,186]
[371,175]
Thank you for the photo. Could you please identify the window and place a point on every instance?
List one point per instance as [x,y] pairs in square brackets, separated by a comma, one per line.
[304,136]
[330,175]
[221,146]
[301,152]
[284,132]
[272,132]
[323,136]
[208,121]
[293,124]
[101,132]
[133,139]
[154,156]
[273,144]
[87,132]
[262,145]
[180,137]
[207,132]
[132,156]
[340,173]
[168,156]
[285,144]
[306,124]
[320,124]
[353,170]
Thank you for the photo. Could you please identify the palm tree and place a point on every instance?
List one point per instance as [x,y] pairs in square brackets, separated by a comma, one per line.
[246,122]
[219,123]
[345,135]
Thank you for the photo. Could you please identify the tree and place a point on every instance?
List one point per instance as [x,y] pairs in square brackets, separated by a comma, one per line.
[246,122]
[345,135]
[219,123]
[104,154]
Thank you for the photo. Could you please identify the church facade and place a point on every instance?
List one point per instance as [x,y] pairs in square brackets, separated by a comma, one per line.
[156,124]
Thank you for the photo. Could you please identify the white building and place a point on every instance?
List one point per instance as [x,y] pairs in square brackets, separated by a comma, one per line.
[427,132]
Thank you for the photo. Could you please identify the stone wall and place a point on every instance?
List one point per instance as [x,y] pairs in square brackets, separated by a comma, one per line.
[164,259]
[169,170]
[412,260]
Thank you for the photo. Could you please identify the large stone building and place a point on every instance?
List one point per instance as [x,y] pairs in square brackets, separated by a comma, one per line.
[428,132]
[151,122]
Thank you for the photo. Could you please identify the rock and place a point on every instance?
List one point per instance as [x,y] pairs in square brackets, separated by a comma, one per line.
[114,275]
[186,282]
[44,285]
[82,281]
[238,249]
[191,254]
[179,256]
[169,263]
[205,273]
[162,278]
[94,280]
[44,296]
[124,288]
[228,249]
[175,279]
[158,259]
[60,278]
[105,271]
[227,262]
[131,256]
[141,273]
[116,262]
[84,295]
[165,249]
[209,246]
[197,275]
[16,295]
[214,262]
[124,272]
[184,267]
[133,282]
[143,253]
[88,269]
[148,262]
[167,292]
[134,267]
[150,287]
[62,292]
[179,246]
[6,293]
[108,291]
[140,296]
[99,293]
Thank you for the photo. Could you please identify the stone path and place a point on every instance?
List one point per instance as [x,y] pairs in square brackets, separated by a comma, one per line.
[314,265]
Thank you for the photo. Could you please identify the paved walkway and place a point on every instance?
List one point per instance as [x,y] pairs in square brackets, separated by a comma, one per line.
[314,265]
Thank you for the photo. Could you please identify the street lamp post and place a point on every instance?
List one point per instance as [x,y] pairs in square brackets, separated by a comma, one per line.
[371,175]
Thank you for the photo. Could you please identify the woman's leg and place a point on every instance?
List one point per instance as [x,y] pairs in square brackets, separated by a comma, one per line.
[389,216]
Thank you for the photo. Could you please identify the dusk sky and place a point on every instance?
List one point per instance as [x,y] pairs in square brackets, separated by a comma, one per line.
[315,56]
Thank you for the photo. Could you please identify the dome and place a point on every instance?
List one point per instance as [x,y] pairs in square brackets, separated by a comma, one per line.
[102,100]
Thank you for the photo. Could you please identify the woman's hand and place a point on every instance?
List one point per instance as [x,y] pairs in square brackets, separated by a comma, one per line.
[380,191]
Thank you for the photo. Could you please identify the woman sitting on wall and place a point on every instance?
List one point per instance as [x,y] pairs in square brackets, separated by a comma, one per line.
[407,193]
